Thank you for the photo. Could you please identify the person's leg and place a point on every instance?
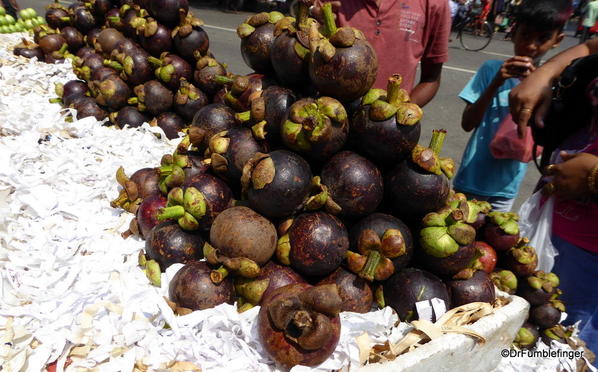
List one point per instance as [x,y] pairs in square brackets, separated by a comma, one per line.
[577,270]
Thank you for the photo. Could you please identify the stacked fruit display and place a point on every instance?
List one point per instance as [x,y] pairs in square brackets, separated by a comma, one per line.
[27,20]
[297,188]
[137,61]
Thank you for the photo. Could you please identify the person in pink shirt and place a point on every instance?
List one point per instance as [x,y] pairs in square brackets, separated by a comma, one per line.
[573,178]
[404,33]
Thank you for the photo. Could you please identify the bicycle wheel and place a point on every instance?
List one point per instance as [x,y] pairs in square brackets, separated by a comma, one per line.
[473,37]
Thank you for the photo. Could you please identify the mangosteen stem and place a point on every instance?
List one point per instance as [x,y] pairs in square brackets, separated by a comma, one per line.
[115,65]
[218,275]
[437,140]
[176,211]
[243,116]
[369,270]
[154,61]
[394,89]
[55,100]
[221,79]
[63,48]
[113,19]
[68,19]
[133,101]
[328,16]
[302,14]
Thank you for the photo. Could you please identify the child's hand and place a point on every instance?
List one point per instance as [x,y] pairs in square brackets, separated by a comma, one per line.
[516,67]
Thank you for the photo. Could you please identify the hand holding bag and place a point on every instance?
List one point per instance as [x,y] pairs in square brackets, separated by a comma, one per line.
[506,143]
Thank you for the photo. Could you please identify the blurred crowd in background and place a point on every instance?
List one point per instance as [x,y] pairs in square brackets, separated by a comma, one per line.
[500,13]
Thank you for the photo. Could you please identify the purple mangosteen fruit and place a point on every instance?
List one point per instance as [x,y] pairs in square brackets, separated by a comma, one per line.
[356,293]
[188,100]
[477,288]
[420,185]
[152,97]
[168,244]
[409,286]
[539,288]
[230,150]
[192,288]
[252,291]
[257,36]
[190,40]
[387,126]
[343,64]
[299,324]
[268,113]
[276,184]
[313,244]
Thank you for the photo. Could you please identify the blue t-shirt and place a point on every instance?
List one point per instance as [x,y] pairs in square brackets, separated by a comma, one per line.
[480,173]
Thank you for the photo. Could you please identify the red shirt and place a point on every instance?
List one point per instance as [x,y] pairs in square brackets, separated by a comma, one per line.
[402,32]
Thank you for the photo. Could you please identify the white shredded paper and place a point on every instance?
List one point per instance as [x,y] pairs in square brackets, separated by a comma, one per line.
[69,279]
[70,284]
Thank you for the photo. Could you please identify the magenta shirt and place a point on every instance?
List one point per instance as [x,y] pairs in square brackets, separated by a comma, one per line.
[402,32]
[576,221]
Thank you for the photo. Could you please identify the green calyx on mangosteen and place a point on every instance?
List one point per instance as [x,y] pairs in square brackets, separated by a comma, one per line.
[527,336]
[187,207]
[501,230]
[505,280]
[128,197]
[445,232]
[538,288]
[316,127]
[374,260]
[522,258]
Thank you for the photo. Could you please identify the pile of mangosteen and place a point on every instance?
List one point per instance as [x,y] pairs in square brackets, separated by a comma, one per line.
[136,61]
[297,188]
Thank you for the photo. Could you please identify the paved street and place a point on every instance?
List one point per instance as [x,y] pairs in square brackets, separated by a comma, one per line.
[443,112]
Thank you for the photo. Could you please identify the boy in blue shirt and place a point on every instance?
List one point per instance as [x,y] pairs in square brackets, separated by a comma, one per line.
[481,176]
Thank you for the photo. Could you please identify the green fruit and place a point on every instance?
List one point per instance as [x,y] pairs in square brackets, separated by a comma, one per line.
[40,20]
[2,11]
[29,24]
[3,21]
[9,19]
[19,28]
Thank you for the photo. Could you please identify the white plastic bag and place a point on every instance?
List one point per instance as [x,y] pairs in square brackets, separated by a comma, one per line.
[535,223]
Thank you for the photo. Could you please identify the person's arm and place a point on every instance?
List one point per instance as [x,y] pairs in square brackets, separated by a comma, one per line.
[513,67]
[532,96]
[573,177]
[428,85]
